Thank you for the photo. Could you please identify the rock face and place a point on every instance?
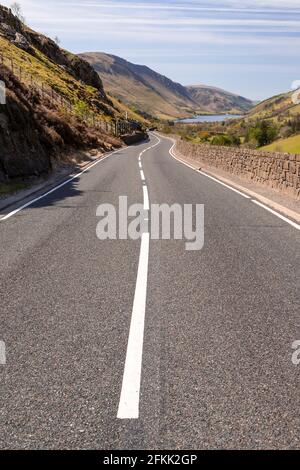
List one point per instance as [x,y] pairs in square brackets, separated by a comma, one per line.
[7,31]
[85,72]
[21,42]
[9,19]
[22,154]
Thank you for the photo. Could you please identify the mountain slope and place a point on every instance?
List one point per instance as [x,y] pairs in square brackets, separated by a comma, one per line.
[276,107]
[146,90]
[218,100]
[140,87]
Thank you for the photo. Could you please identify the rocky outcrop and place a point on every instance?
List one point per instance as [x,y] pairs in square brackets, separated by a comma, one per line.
[7,31]
[23,151]
[7,18]
[21,42]
[85,72]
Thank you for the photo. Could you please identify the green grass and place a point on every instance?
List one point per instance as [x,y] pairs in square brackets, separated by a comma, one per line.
[289,145]
[10,188]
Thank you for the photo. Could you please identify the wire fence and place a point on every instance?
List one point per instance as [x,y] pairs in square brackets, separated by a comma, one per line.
[115,127]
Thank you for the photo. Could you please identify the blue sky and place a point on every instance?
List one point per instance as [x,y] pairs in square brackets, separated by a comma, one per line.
[248,47]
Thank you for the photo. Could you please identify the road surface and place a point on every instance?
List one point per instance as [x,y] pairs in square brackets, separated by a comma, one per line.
[216,326]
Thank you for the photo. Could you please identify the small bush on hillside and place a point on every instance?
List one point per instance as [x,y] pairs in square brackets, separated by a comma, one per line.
[81,109]
[204,136]
[225,140]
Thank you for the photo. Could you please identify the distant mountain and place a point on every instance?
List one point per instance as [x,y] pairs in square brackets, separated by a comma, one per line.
[140,87]
[152,93]
[217,100]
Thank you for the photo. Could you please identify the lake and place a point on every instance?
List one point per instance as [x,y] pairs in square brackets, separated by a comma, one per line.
[210,118]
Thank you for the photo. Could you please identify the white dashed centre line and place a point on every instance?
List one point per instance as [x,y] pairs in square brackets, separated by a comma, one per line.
[130,393]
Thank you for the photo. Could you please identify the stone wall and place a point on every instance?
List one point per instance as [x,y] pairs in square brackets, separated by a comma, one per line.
[280,171]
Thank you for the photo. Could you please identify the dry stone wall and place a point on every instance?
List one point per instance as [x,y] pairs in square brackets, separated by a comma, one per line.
[280,171]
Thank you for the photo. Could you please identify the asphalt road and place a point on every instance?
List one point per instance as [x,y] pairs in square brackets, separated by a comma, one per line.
[216,365]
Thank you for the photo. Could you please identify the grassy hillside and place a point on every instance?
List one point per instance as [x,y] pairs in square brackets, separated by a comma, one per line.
[143,89]
[45,71]
[289,145]
[277,107]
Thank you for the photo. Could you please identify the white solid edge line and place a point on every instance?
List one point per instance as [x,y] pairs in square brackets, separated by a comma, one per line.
[10,214]
[130,393]
[294,224]
[208,176]
[224,184]
[202,173]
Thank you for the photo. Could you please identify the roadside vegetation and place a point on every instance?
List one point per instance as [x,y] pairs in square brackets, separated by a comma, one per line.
[277,134]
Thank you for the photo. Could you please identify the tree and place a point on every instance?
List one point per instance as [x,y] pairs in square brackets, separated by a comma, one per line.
[57,40]
[263,133]
[17,11]
[225,140]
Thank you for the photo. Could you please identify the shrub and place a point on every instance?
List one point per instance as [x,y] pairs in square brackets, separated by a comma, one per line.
[263,133]
[81,109]
[225,140]
[204,136]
